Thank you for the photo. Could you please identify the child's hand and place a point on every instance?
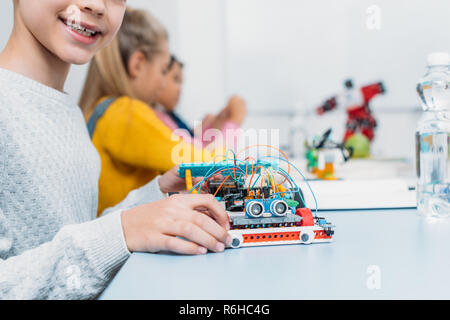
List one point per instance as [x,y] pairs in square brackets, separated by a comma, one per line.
[208,120]
[171,182]
[155,227]
[236,109]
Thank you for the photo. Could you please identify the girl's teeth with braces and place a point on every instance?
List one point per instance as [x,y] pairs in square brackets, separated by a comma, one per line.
[81,30]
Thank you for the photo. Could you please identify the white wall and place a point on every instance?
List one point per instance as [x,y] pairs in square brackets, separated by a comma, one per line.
[282,52]
[6,21]
[288,56]
[203,49]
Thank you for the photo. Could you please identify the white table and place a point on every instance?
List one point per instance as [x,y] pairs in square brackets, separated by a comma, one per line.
[376,254]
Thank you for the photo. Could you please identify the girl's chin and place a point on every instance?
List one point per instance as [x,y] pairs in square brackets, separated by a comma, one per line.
[77,59]
[80,62]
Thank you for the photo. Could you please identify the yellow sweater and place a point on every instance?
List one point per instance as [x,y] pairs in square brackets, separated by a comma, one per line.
[135,147]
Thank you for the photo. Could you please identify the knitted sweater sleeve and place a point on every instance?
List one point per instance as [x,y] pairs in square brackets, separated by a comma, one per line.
[77,263]
[148,193]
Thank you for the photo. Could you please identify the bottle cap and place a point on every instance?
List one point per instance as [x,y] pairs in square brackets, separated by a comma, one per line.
[438,59]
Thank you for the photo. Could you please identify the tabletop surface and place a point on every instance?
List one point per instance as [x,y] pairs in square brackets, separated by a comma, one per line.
[376,254]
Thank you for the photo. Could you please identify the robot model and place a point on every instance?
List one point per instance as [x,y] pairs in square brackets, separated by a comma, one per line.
[322,154]
[356,102]
[264,204]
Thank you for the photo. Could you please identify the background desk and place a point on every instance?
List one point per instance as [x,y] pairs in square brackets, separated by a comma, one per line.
[412,253]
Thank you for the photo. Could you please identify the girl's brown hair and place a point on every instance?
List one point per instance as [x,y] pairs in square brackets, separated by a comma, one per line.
[108,75]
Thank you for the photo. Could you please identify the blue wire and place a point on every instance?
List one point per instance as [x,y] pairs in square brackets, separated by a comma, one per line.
[241,172]
[293,184]
[226,155]
[255,182]
[207,176]
[304,179]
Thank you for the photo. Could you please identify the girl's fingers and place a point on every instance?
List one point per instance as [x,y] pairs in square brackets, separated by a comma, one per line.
[204,221]
[214,207]
[206,212]
[180,246]
[197,180]
[204,189]
[194,233]
[217,177]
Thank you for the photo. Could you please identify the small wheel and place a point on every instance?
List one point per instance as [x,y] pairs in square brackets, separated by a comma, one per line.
[307,237]
[236,241]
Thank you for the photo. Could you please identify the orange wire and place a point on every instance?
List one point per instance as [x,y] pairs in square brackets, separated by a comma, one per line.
[246,169]
[234,169]
[262,185]
[246,165]
[250,182]
[220,187]
[227,169]
[270,147]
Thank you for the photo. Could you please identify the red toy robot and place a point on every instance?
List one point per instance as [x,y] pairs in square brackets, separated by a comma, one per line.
[360,118]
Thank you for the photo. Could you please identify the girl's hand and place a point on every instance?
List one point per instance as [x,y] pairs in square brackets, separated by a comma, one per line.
[236,109]
[171,182]
[208,120]
[155,227]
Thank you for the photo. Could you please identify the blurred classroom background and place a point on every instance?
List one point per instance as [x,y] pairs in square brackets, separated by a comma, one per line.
[285,57]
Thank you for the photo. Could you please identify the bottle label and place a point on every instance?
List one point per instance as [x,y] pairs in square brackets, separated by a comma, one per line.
[433,157]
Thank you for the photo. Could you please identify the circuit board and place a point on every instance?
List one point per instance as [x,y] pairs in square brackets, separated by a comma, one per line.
[264,204]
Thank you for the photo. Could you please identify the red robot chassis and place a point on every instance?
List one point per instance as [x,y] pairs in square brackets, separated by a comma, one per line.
[359,115]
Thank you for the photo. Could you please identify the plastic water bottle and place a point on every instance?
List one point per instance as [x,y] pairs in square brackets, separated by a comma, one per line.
[433,139]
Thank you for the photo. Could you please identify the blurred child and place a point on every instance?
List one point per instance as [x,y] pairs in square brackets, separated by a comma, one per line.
[227,121]
[123,80]
[49,168]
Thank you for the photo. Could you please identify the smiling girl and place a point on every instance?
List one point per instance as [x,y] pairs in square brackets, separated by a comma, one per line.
[51,245]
